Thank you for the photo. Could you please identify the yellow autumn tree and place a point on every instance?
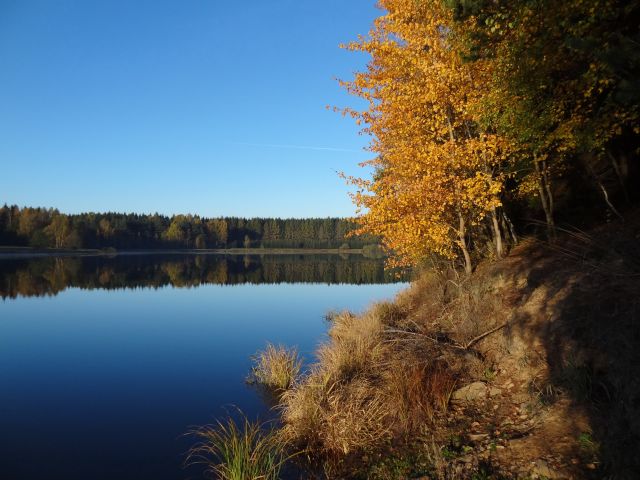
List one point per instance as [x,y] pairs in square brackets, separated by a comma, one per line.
[437,175]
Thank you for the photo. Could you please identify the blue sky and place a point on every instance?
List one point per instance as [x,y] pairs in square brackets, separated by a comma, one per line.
[179,106]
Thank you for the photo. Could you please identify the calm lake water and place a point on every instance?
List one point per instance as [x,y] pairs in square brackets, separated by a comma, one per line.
[105,363]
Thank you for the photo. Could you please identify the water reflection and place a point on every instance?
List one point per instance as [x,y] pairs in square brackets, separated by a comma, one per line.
[102,380]
[51,275]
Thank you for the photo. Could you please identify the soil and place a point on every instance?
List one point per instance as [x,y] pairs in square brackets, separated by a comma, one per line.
[562,378]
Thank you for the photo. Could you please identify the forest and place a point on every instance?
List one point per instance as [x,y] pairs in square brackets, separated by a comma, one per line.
[494,119]
[48,228]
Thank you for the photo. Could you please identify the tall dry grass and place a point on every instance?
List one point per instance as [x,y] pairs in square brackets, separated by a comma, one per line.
[367,388]
[276,367]
[386,376]
[334,408]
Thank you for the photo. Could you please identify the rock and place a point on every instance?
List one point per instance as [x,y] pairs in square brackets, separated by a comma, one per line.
[493,391]
[470,393]
[542,469]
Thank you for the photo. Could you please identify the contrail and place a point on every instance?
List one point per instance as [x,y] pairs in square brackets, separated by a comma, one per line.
[298,147]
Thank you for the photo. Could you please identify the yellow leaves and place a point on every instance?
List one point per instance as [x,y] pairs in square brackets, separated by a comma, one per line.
[434,163]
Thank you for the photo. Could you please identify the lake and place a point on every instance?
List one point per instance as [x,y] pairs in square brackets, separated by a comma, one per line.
[106,362]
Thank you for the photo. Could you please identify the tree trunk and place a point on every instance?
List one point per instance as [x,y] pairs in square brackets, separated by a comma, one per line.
[508,227]
[605,194]
[603,189]
[497,234]
[546,197]
[462,243]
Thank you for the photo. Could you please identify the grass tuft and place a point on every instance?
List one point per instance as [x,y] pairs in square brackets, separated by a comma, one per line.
[242,450]
[276,367]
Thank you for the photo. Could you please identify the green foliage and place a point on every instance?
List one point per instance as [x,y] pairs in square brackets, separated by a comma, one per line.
[565,88]
[589,448]
[39,239]
[489,374]
[42,228]
[399,465]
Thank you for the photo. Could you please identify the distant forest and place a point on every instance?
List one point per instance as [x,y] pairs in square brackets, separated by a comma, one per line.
[48,228]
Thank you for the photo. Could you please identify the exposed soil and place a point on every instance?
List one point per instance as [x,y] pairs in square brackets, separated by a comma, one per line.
[557,393]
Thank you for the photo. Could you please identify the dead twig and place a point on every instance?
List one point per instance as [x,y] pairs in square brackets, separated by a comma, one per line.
[482,335]
[422,335]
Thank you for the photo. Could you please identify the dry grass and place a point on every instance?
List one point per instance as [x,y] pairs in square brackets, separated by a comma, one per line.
[387,376]
[370,386]
[332,419]
[417,393]
[276,367]
[335,407]
[441,300]
[355,344]
[242,450]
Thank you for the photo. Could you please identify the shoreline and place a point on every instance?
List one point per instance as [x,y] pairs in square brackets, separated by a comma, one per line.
[27,252]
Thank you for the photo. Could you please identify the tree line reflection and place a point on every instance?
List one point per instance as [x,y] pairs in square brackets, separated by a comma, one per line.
[51,275]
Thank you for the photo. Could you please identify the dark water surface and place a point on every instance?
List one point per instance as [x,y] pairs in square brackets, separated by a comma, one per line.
[106,362]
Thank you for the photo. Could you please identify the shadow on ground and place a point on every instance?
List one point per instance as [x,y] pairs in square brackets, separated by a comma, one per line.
[585,294]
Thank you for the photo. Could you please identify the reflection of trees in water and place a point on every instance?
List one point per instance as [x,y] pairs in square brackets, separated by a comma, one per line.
[48,276]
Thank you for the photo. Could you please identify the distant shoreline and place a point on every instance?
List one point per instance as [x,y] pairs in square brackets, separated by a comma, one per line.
[27,252]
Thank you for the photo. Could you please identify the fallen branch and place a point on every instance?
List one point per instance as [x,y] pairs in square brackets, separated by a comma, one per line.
[446,340]
[481,336]
[407,332]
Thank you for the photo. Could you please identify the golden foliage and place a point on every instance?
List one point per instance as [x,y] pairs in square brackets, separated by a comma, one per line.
[437,173]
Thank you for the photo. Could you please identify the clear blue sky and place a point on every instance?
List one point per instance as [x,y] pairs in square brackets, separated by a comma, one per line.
[179,106]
